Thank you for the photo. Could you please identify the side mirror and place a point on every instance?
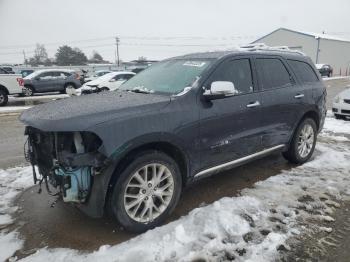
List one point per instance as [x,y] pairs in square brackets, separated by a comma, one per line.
[37,78]
[220,89]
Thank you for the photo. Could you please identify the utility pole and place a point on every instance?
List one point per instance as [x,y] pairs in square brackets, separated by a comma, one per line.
[117,41]
[24,56]
[318,48]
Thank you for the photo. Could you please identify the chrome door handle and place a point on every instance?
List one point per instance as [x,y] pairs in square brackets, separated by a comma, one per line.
[255,104]
[299,96]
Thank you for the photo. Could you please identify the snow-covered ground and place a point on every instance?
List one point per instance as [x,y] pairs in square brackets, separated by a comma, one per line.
[13,109]
[249,227]
[334,78]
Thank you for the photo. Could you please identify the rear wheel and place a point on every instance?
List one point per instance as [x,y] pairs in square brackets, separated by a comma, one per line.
[28,91]
[303,143]
[3,98]
[146,192]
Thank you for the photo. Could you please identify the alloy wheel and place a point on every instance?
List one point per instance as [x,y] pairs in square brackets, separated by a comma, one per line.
[148,192]
[306,140]
[28,91]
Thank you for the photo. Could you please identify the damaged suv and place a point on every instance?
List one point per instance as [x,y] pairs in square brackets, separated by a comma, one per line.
[131,152]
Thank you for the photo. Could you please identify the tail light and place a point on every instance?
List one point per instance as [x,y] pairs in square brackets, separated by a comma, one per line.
[77,76]
[20,81]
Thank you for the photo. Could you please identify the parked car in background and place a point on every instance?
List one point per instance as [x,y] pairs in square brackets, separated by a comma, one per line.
[96,75]
[107,82]
[341,105]
[51,80]
[324,69]
[133,150]
[7,69]
[26,72]
[10,84]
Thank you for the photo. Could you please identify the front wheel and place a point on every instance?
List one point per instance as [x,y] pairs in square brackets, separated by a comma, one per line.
[146,192]
[3,98]
[303,142]
[104,89]
[68,89]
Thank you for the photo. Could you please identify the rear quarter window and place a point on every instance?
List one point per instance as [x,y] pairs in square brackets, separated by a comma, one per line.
[304,71]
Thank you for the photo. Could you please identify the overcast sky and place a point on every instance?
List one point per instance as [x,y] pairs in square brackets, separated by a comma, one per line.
[157,29]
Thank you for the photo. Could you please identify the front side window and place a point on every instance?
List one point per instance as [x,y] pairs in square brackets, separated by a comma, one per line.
[272,73]
[304,71]
[167,77]
[237,72]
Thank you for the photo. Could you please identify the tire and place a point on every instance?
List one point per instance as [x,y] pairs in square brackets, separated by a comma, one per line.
[295,154]
[28,91]
[67,86]
[3,98]
[128,184]
[104,89]
[338,116]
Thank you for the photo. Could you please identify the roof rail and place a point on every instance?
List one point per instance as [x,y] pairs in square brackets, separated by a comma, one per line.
[264,47]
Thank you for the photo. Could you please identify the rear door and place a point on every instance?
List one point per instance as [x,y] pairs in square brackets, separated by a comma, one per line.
[230,127]
[281,99]
[61,80]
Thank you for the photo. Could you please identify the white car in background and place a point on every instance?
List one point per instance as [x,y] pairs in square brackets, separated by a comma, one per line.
[341,105]
[96,75]
[107,82]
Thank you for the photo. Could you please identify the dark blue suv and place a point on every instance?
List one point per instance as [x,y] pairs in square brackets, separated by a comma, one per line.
[133,150]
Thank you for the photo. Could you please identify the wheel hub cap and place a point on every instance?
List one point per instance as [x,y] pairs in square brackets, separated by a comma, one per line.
[306,141]
[148,192]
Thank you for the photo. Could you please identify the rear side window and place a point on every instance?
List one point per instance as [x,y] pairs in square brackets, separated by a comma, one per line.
[304,71]
[237,72]
[272,73]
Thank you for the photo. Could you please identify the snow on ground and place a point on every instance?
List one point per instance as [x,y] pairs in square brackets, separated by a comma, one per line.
[12,182]
[39,97]
[334,78]
[12,109]
[249,227]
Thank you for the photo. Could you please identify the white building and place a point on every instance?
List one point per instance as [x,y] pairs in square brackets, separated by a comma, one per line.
[322,48]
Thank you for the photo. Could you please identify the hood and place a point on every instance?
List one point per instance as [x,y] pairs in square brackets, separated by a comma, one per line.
[345,94]
[80,113]
[94,82]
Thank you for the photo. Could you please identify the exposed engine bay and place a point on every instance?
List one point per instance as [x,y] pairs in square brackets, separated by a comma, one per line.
[66,161]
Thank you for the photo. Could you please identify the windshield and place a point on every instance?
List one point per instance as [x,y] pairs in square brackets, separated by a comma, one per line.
[168,77]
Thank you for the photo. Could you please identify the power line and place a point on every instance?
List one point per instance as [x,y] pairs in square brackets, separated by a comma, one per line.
[142,38]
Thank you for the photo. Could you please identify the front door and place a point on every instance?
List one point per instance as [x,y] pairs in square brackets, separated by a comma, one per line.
[230,127]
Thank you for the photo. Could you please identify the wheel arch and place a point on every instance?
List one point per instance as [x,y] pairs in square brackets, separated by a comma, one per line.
[70,83]
[30,86]
[166,147]
[2,87]
[313,115]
